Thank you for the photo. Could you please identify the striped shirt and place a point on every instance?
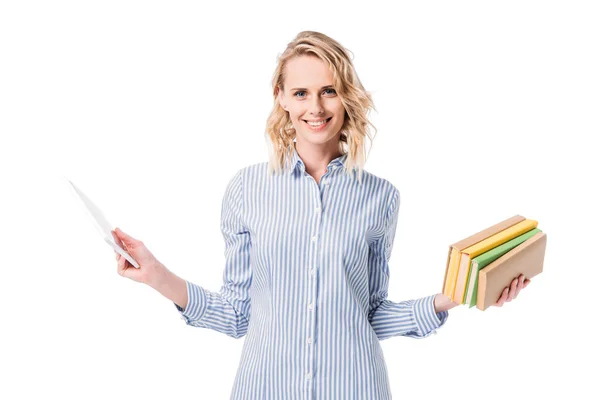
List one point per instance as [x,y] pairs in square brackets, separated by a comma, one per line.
[306,281]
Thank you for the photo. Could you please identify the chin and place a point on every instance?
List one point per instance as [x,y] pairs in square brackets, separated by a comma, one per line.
[318,140]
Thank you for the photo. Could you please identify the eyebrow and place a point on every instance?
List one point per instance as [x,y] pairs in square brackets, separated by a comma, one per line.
[324,87]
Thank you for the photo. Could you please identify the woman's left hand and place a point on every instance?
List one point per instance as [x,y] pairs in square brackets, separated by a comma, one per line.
[510,292]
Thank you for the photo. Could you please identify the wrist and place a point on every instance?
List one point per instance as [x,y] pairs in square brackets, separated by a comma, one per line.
[160,278]
[443,303]
[172,287]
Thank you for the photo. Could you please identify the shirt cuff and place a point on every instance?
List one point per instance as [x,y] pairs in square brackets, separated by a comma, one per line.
[425,316]
[196,305]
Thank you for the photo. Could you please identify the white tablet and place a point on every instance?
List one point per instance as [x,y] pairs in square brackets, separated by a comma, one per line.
[100,222]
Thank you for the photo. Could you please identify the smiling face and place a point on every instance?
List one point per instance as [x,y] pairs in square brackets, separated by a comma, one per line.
[313,105]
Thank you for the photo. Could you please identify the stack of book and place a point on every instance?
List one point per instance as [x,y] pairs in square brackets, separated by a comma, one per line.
[482,265]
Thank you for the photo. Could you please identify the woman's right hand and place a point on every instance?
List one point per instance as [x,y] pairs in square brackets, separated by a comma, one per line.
[151,271]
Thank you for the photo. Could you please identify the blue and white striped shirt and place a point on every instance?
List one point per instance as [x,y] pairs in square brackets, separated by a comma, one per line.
[306,281]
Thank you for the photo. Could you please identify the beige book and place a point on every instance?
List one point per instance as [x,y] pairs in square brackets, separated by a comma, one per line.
[526,259]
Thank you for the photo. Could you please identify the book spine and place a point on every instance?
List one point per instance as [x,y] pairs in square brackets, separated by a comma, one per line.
[482,282]
[452,271]
[459,290]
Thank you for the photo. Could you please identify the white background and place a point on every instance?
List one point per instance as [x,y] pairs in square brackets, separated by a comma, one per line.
[484,110]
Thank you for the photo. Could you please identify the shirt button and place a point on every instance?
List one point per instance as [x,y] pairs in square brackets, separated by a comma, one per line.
[309,340]
[314,238]
[310,306]
[308,376]
[312,272]
[317,209]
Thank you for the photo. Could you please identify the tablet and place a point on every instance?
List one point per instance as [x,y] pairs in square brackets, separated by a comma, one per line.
[100,222]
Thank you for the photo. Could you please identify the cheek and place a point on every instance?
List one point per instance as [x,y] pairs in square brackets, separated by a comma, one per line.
[294,111]
[294,116]
[340,112]
[338,108]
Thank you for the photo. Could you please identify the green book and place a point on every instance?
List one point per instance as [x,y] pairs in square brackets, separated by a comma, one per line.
[487,258]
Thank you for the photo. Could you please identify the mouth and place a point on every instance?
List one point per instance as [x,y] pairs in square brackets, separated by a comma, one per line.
[317,126]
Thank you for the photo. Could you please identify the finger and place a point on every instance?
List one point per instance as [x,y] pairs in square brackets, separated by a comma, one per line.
[513,288]
[526,282]
[118,241]
[502,298]
[519,286]
[122,266]
[128,240]
[115,236]
[125,266]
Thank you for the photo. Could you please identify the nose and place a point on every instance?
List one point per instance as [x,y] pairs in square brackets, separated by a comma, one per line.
[315,107]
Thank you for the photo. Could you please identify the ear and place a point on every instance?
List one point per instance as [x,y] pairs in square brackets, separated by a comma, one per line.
[281,99]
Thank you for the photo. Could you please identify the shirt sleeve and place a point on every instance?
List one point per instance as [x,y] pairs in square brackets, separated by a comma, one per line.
[227,311]
[413,318]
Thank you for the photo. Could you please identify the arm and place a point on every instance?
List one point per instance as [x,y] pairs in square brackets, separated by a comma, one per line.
[227,311]
[173,288]
[417,318]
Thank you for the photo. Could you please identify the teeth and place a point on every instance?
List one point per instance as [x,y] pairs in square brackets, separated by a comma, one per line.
[316,123]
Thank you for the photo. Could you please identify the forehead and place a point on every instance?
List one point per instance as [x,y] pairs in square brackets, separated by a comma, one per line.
[307,72]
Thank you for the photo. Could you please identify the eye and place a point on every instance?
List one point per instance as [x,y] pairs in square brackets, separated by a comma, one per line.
[330,90]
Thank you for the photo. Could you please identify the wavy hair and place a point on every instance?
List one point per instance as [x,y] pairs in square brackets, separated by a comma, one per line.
[357,102]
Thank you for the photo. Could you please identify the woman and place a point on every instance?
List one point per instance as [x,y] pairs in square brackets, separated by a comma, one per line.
[308,239]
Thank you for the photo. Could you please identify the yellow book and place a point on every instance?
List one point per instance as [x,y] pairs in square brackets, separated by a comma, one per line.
[450,281]
[479,248]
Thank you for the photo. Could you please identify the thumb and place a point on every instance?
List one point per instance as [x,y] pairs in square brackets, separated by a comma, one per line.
[128,240]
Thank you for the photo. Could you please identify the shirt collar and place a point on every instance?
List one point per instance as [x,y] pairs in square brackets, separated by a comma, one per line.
[298,163]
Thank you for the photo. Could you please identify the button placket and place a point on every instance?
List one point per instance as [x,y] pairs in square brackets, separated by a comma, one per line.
[315,259]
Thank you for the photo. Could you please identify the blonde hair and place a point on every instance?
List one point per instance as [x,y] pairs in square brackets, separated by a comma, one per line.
[280,132]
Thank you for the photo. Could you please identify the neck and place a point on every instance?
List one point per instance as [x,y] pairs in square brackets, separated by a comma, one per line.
[316,159]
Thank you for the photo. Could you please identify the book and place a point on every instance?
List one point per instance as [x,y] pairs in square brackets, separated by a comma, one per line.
[455,249]
[481,261]
[481,247]
[526,259]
